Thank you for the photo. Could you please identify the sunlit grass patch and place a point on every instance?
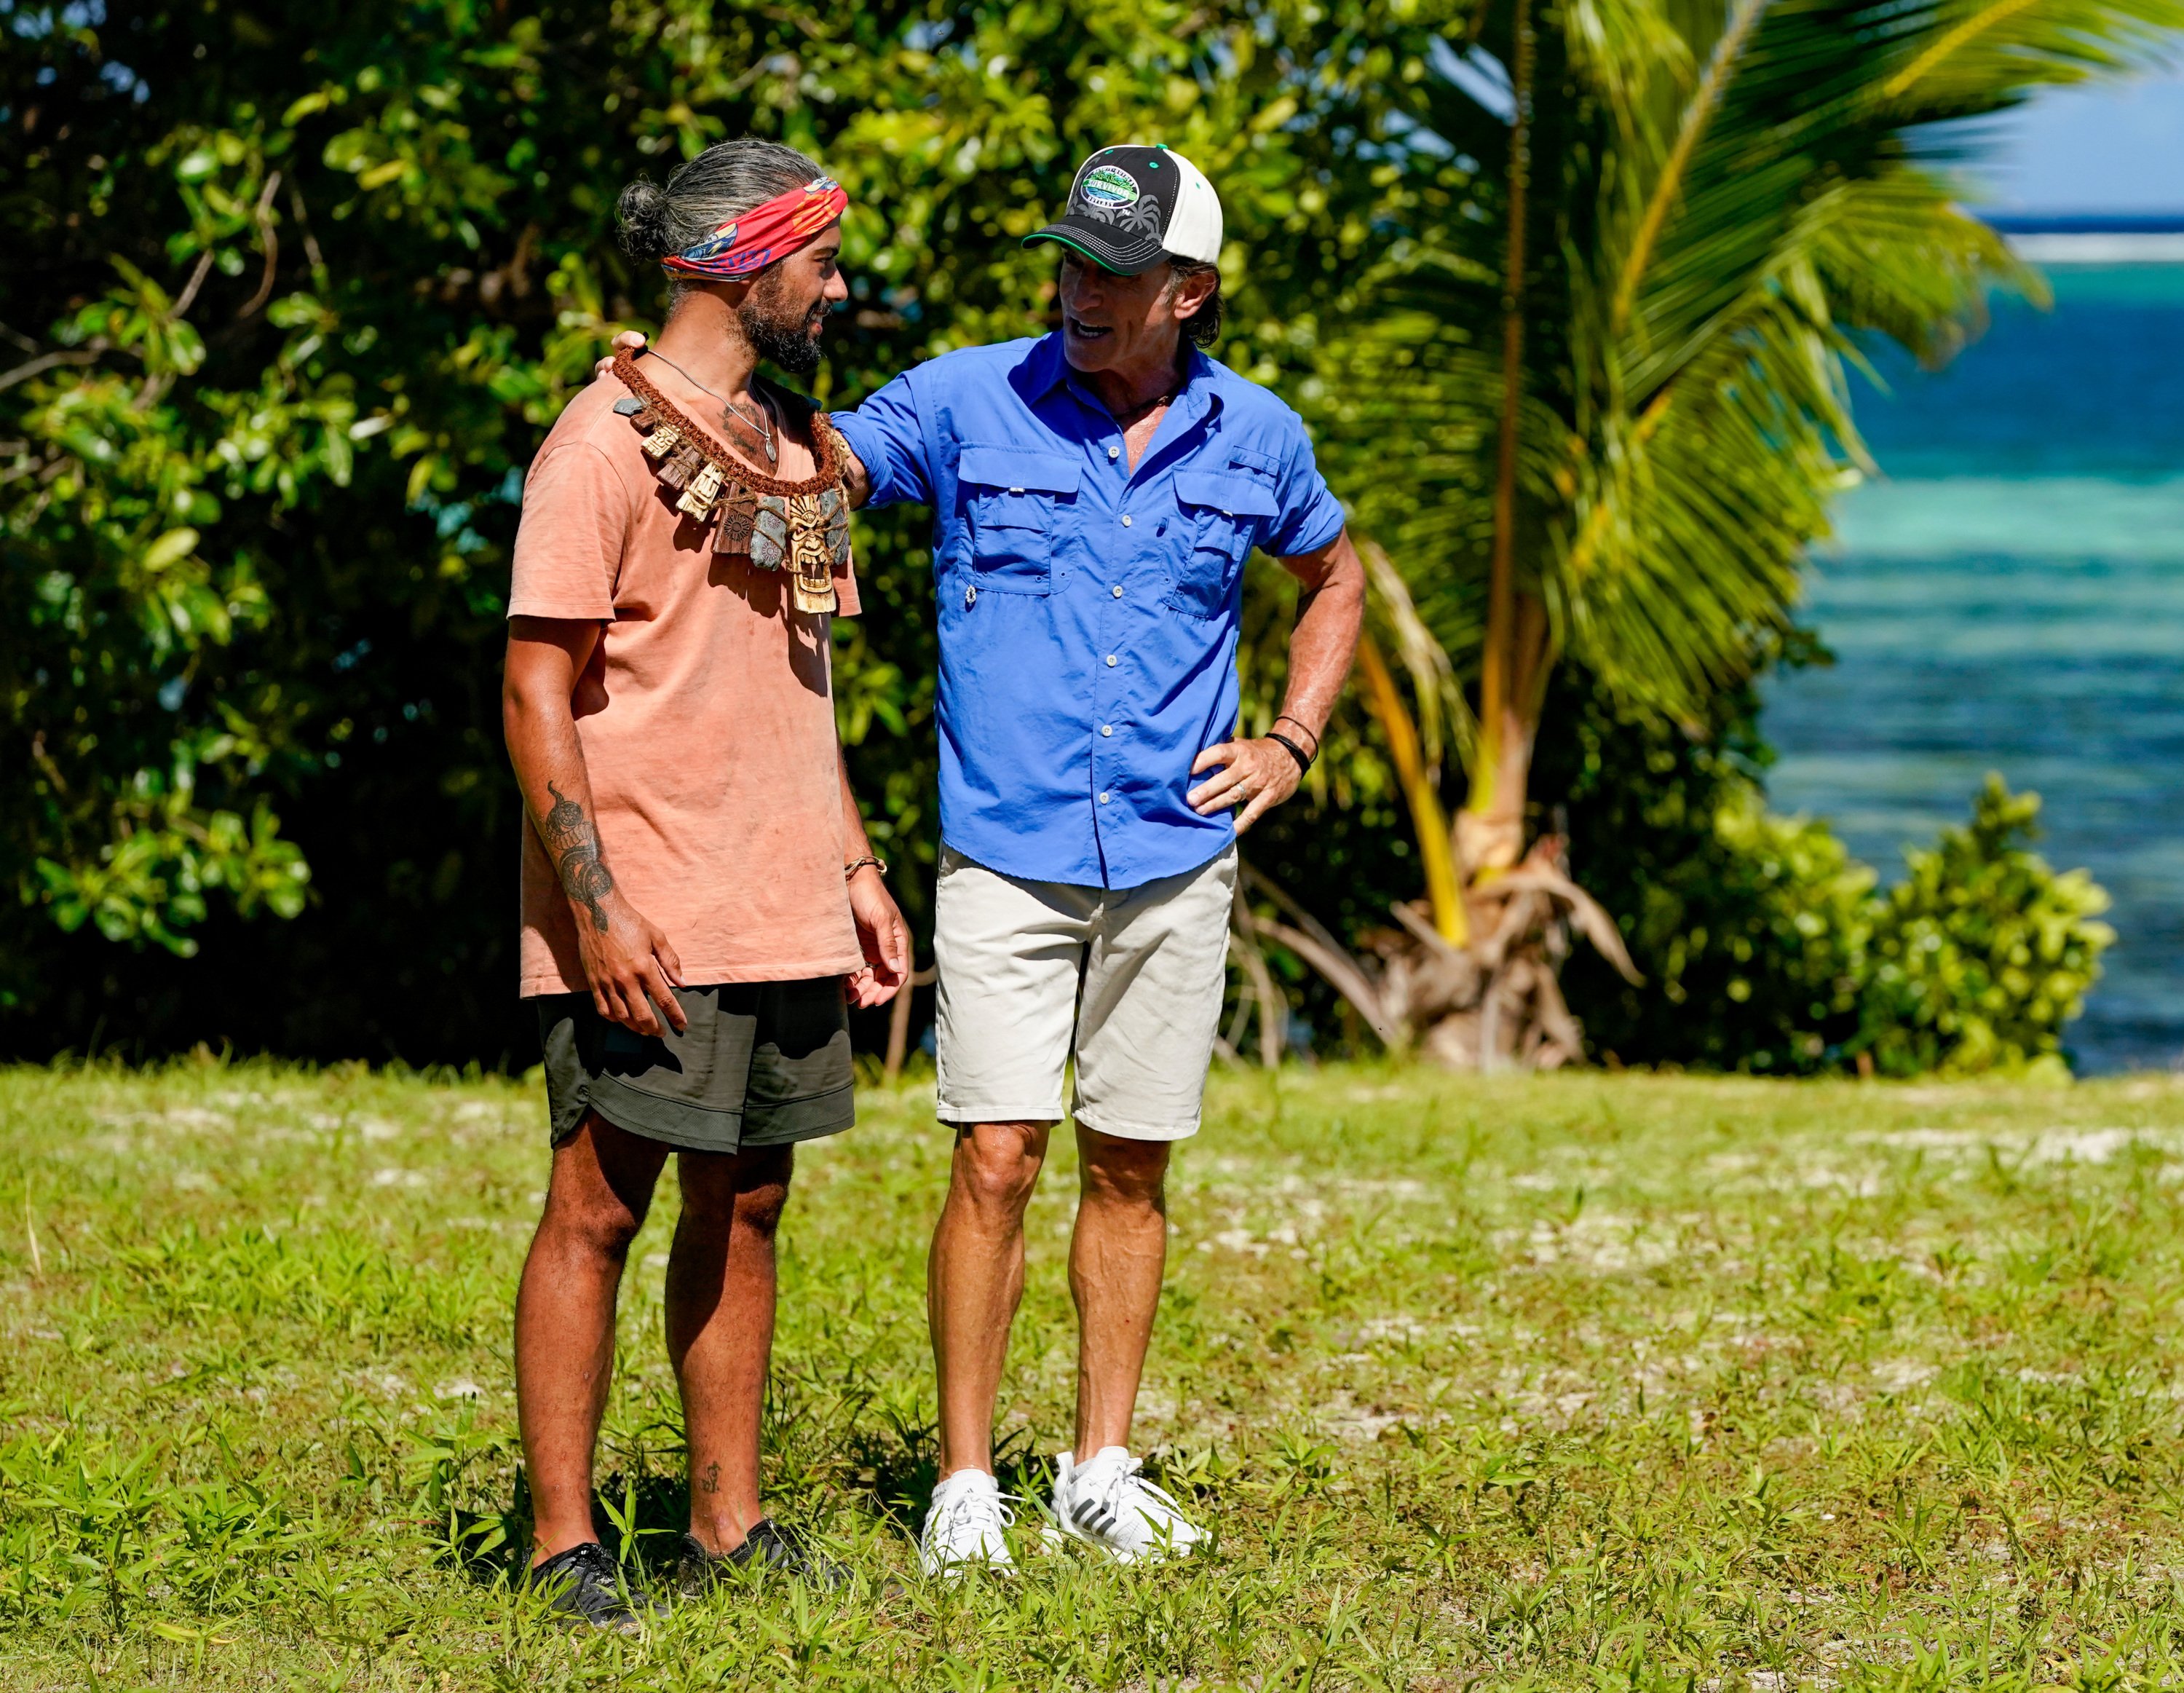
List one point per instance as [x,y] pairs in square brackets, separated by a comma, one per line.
[1574,1381]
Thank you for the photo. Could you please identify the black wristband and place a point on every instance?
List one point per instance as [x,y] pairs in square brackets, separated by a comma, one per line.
[1303,758]
[1306,727]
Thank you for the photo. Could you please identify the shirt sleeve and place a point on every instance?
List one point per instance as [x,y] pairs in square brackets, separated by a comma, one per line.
[1311,515]
[569,541]
[887,434]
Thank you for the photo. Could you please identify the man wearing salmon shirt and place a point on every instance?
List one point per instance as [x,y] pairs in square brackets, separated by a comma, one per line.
[698,889]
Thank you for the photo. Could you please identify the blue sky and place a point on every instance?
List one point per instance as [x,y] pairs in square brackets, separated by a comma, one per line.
[2116,148]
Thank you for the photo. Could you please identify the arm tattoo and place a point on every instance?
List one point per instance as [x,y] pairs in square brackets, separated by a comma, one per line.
[574,845]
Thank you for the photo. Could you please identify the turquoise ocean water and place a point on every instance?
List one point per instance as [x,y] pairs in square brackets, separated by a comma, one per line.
[2011,597]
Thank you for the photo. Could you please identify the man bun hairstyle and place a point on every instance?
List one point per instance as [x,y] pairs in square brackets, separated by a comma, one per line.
[1202,328]
[720,185]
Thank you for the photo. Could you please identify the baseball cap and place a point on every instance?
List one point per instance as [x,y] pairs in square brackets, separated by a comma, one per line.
[1131,207]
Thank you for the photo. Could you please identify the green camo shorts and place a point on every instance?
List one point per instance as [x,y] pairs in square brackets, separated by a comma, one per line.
[762,1063]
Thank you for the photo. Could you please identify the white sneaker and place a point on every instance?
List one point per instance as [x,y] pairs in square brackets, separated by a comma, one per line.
[967,1526]
[1105,1503]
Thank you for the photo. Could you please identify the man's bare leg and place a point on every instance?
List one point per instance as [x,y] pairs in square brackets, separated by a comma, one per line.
[975,1278]
[596,1200]
[720,1328]
[1116,1254]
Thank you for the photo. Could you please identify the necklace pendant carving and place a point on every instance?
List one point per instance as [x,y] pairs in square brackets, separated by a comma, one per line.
[697,501]
[770,542]
[810,560]
[739,511]
[662,442]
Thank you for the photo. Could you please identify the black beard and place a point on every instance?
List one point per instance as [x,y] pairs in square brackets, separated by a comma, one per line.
[790,347]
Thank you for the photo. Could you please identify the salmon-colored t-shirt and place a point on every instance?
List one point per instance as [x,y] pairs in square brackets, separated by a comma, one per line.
[706,717]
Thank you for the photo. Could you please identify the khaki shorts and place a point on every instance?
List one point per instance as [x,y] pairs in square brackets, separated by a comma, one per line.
[1129,980]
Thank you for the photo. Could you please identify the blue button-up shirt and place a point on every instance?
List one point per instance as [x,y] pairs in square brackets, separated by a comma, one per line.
[1088,611]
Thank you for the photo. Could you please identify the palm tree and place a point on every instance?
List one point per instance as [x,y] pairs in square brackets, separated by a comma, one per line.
[1597,403]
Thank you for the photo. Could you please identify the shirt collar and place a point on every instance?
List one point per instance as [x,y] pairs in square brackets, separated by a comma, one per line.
[1047,365]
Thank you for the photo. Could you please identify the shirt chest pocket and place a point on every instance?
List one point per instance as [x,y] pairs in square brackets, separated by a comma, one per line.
[1221,516]
[1015,502]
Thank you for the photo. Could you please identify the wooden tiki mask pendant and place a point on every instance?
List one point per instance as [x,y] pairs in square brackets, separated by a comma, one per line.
[811,563]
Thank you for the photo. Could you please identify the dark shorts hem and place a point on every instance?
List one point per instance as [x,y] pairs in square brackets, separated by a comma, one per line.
[697,1128]
[759,1064]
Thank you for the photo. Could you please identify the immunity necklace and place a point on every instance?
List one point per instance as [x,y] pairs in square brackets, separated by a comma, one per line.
[802,528]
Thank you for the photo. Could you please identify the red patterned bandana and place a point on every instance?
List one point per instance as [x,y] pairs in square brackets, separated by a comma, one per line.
[763,234]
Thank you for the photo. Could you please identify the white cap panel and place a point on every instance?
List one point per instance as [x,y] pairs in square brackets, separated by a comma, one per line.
[1193,229]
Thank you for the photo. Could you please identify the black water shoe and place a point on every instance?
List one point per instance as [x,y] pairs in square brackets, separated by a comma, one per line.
[586,1585]
[767,1546]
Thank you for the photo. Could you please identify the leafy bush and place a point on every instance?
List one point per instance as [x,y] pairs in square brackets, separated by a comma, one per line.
[1766,947]
[1983,953]
[1749,927]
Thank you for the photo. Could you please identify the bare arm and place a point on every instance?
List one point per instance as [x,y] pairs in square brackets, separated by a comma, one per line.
[881,932]
[628,963]
[1260,774]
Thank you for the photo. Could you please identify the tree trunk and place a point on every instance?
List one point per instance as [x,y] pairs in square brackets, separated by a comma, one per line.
[1489,830]
[1490,834]
[1428,823]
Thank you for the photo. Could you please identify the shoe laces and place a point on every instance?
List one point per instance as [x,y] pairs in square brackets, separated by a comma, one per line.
[590,1560]
[1124,1479]
[970,1501]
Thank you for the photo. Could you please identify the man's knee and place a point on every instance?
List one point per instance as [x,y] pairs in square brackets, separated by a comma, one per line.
[997,1165]
[597,1222]
[600,1189]
[1121,1171]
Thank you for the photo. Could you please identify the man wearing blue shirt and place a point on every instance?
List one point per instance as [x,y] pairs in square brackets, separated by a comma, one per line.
[1095,492]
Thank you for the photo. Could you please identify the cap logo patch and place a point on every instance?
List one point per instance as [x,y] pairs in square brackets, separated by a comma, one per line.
[1108,188]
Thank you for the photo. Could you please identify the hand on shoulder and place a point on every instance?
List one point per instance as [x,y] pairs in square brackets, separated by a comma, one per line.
[629,341]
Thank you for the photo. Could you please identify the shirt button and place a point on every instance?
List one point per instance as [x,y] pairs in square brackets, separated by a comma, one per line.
[1103,798]
[1111,660]
[1114,453]
[1106,729]
[1118,590]
[1126,520]
[971,593]
[1016,491]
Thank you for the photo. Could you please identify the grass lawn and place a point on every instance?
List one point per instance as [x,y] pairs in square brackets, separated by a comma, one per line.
[1568,1382]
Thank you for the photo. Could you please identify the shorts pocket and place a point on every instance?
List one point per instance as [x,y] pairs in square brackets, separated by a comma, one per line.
[1015,503]
[1222,518]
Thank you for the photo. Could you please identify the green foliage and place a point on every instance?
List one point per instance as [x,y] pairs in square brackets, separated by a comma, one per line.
[1750,928]
[1982,952]
[309,286]
[1720,200]
[1766,947]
